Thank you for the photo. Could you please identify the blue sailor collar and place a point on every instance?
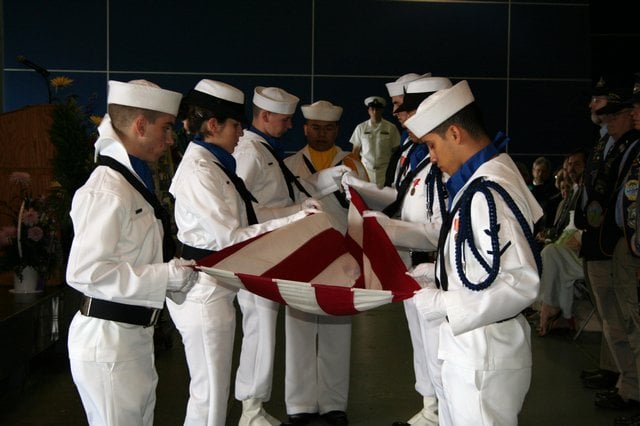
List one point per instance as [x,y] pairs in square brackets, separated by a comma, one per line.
[417,153]
[227,160]
[274,142]
[142,169]
[464,173]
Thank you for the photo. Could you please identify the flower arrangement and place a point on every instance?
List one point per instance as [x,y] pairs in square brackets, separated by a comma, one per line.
[32,240]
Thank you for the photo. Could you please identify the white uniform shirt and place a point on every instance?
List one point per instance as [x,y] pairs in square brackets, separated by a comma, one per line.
[472,336]
[376,143]
[209,211]
[330,204]
[116,255]
[260,171]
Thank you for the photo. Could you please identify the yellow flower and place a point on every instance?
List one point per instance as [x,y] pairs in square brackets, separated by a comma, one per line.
[95,119]
[62,81]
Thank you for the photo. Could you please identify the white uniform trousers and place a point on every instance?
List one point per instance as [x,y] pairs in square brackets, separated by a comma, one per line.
[424,384]
[206,320]
[483,398]
[318,353]
[119,393]
[255,371]
[603,286]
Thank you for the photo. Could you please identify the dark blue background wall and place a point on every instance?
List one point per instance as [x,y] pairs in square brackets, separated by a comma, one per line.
[528,63]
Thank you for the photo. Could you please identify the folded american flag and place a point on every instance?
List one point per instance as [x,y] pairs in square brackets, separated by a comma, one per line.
[311,266]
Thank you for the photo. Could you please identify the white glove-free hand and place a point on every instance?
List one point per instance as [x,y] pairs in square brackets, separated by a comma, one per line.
[181,275]
[430,303]
[310,203]
[424,274]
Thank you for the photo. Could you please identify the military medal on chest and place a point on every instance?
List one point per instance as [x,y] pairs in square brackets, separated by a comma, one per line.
[414,184]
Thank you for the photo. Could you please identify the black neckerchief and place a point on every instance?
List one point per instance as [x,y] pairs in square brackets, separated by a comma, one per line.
[168,245]
[244,193]
[288,176]
[393,208]
[342,199]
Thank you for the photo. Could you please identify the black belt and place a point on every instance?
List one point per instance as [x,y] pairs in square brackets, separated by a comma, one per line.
[113,311]
[497,322]
[418,257]
[194,253]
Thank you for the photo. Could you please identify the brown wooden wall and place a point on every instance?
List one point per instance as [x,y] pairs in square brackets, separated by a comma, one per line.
[24,147]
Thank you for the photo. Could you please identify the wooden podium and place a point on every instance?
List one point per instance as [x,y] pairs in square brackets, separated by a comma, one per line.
[25,147]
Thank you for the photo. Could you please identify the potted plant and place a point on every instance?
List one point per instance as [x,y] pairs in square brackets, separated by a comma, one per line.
[29,246]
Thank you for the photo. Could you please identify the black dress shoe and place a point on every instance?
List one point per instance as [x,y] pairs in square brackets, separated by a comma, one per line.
[336,418]
[615,402]
[607,393]
[603,380]
[633,420]
[589,373]
[301,419]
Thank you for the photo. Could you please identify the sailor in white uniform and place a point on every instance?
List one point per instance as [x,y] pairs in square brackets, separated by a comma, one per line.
[412,222]
[213,210]
[397,89]
[318,348]
[121,239]
[487,270]
[260,163]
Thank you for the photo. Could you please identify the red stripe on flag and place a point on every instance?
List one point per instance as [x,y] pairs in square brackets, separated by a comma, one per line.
[357,201]
[262,286]
[310,259]
[385,261]
[335,300]
[221,255]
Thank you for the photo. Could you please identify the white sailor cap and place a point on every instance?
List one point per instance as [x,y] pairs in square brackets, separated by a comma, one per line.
[144,94]
[220,90]
[375,102]
[322,110]
[396,88]
[438,107]
[418,90]
[274,99]
[217,96]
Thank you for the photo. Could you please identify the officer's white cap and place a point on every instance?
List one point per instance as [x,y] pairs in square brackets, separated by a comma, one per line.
[144,94]
[375,101]
[274,99]
[438,107]
[322,110]
[396,88]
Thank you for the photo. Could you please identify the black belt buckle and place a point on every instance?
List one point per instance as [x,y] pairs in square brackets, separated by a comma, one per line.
[120,312]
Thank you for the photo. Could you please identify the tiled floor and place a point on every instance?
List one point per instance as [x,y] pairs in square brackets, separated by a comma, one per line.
[381,381]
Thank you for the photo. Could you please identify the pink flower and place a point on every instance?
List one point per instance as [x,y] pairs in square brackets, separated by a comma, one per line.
[35,233]
[21,178]
[7,234]
[30,217]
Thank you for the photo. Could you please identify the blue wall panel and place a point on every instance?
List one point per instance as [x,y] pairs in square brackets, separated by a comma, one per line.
[519,57]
